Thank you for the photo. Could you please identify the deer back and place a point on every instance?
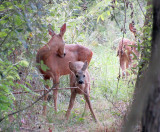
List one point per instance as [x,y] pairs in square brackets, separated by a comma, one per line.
[74,52]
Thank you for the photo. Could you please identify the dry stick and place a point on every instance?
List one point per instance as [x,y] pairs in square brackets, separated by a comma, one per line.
[114,105]
[85,93]
[141,8]
[41,90]
[1,119]
[114,17]
[28,129]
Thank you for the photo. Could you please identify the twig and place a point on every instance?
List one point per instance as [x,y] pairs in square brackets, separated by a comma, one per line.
[114,105]
[85,93]
[114,17]
[41,90]
[9,34]
[141,8]
[28,129]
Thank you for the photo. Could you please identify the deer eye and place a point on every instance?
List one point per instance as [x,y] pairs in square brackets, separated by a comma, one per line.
[83,75]
[76,76]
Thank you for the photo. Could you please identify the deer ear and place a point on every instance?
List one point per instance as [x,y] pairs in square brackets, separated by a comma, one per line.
[85,66]
[132,28]
[51,32]
[63,30]
[72,67]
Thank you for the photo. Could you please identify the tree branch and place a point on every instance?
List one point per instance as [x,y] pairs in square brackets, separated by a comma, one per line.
[9,34]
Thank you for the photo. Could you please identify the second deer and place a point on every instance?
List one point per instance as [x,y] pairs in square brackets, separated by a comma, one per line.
[80,78]
[126,51]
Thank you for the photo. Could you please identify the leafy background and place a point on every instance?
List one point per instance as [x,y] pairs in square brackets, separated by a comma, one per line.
[97,24]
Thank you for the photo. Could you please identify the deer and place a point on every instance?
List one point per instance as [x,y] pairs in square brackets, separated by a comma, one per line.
[56,56]
[127,49]
[80,78]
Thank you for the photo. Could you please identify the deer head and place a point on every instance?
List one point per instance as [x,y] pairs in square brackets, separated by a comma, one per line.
[78,72]
[57,40]
[132,28]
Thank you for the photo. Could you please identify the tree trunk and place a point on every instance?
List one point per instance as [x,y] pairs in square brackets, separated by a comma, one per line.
[151,116]
[146,106]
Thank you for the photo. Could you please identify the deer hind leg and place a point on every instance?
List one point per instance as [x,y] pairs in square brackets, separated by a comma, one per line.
[71,103]
[122,65]
[45,97]
[86,96]
[55,92]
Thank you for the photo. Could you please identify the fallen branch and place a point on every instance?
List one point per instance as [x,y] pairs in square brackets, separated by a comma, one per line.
[41,90]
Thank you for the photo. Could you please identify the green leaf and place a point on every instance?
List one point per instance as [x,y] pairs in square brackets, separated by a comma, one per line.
[24,63]
[18,20]
[25,88]
[3,34]
[43,66]
[3,21]
[98,18]
[2,8]
[81,119]
[102,17]
[28,84]
[10,78]
[108,13]
[19,30]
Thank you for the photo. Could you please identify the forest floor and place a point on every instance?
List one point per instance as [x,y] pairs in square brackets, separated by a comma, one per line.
[110,116]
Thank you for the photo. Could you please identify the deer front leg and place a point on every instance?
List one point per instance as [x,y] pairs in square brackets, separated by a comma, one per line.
[55,92]
[86,96]
[71,103]
[127,68]
[45,98]
[86,104]
[85,108]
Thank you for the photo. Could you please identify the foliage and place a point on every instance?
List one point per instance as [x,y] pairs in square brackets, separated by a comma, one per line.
[17,26]
[96,24]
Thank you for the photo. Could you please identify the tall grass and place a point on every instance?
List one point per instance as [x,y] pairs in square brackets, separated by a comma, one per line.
[104,70]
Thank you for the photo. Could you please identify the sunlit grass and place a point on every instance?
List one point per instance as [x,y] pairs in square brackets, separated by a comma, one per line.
[104,70]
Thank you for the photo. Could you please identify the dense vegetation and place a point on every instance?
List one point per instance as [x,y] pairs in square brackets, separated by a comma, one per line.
[97,24]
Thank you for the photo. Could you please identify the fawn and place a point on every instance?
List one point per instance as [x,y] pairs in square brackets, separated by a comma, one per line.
[79,77]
